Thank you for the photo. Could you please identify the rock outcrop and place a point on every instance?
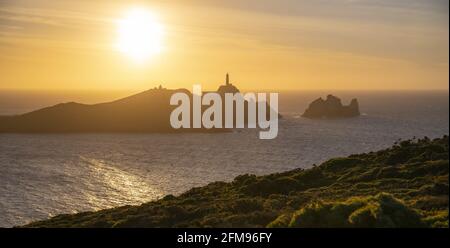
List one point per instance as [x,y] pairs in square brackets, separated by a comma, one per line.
[331,108]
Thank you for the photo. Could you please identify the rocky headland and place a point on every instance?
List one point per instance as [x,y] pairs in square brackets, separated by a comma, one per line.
[331,108]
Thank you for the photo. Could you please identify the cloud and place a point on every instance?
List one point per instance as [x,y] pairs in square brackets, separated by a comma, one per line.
[49,17]
[404,30]
[28,27]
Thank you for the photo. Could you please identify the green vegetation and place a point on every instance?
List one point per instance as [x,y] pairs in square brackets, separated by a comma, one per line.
[403,186]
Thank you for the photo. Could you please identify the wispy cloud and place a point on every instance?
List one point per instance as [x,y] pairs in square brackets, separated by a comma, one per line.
[34,28]
[399,36]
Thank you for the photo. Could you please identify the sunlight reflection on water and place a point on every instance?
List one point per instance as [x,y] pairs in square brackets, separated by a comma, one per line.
[123,187]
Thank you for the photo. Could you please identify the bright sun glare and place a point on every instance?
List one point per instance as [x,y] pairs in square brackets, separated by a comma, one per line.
[140,35]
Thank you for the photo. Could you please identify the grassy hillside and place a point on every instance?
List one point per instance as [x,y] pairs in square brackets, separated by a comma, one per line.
[403,186]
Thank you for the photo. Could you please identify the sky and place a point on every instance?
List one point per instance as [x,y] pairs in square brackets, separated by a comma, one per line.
[265,45]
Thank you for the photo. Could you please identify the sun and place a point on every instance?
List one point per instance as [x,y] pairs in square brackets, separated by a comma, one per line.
[140,35]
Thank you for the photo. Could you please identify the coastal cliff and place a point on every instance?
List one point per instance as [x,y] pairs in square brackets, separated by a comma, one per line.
[332,107]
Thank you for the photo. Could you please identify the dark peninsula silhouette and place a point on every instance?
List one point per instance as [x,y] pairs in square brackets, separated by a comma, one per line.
[148,111]
[331,108]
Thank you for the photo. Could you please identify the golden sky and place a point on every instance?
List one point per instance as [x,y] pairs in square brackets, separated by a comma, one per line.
[283,44]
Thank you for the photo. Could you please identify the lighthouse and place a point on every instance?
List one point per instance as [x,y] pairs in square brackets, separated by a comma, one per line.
[227,87]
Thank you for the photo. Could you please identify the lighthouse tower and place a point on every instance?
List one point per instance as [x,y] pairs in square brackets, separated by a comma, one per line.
[228,87]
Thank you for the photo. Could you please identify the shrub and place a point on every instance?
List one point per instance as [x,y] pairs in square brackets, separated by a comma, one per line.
[337,164]
[281,221]
[245,205]
[382,210]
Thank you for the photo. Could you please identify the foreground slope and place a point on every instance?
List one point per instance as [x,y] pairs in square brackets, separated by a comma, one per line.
[403,186]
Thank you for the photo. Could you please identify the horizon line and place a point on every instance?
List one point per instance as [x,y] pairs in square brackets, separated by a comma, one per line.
[210,89]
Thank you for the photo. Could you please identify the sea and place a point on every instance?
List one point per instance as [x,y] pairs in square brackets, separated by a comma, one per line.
[43,175]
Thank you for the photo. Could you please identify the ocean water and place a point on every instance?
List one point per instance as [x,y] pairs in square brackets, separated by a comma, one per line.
[42,175]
